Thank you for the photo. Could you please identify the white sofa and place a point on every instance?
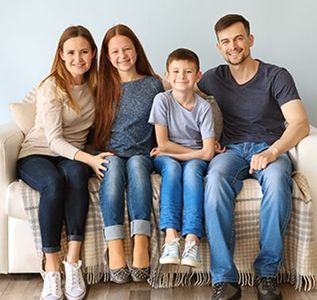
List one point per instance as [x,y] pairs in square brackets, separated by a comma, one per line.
[17,250]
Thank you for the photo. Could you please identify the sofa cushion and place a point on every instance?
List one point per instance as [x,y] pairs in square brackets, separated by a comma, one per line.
[24,112]
[19,189]
[14,201]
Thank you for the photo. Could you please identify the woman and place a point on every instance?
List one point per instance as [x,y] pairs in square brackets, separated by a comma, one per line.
[126,88]
[52,160]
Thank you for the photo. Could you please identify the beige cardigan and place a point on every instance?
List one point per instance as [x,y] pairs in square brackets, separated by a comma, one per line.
[58,130]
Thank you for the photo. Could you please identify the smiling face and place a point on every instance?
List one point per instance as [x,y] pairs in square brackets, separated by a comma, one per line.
[77,56]
[182,75]
[122,54]
[234,43]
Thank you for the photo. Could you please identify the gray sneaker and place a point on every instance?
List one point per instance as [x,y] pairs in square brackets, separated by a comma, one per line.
[171,253]
[191,255]
[267,289]
[226,291]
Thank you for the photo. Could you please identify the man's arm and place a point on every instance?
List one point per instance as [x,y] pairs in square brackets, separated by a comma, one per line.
[297,128]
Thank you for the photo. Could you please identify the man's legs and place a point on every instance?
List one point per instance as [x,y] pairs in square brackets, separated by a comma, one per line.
[223,182]
[275,213]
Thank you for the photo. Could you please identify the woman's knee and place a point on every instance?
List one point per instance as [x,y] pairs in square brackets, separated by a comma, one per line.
[53,189]
[77,172]
[139,165]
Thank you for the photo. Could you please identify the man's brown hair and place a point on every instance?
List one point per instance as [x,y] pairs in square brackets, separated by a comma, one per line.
[229,20]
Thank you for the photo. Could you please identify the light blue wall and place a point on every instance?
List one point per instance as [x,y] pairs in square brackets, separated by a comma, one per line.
[285,34]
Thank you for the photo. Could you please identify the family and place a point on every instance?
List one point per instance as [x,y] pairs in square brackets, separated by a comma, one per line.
[140,126]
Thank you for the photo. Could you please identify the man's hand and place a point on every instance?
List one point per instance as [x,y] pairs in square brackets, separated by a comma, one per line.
[219,148]
[261,160]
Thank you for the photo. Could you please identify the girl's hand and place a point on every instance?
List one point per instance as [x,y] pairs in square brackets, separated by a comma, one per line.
[219,148]
[155,152]
[97,163]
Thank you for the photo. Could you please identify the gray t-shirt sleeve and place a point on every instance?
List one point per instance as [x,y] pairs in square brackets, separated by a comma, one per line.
[159,109]
[207,123]
[283,87]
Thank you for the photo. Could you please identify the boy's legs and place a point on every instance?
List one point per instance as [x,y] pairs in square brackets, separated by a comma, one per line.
[193,199]
[193,196]
[171,196]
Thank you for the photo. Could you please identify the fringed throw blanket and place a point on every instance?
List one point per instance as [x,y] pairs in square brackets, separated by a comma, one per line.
[300,256]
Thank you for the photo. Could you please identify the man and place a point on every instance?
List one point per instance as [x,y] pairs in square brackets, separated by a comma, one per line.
[256,99]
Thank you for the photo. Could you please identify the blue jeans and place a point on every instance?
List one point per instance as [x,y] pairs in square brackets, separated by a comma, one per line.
[135,174]
[182,194]
[64,196]
[223,183]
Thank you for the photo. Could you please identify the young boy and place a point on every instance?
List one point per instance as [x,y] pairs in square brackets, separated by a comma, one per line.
[186,142]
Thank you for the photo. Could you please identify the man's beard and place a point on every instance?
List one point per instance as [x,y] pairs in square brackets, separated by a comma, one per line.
[239,62]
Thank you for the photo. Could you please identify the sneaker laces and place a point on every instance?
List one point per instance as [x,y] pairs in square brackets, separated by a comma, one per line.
[190,249]
[172,248]
[74,279]
[52,284]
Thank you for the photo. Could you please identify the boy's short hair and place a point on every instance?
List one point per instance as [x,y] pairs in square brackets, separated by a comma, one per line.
[228,20]
[183,54]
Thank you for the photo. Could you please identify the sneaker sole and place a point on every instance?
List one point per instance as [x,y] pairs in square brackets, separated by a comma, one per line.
[80,297]
[61,298]
[170,261]
[190,263]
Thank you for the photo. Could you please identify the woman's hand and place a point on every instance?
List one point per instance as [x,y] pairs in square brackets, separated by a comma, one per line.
[97,163]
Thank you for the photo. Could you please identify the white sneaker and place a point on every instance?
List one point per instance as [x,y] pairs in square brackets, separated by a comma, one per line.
[75,288]
[52,288]
[171,253]
[191,255]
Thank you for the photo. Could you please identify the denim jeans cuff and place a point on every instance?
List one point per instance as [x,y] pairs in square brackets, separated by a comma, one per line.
[51,249]
[73,237]
[114,232]
[140,227]
[266,274]
[196,232]
[224,279]
[166,225]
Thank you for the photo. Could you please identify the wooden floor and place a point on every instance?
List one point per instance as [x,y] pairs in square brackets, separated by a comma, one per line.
[28,287]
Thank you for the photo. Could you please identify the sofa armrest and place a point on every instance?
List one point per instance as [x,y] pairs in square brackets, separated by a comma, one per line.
[11,138]
[304,160]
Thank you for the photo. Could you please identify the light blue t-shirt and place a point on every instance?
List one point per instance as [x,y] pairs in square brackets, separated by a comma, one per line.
[186,128]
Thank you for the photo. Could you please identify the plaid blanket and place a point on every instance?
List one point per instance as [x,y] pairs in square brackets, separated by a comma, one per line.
[300,256]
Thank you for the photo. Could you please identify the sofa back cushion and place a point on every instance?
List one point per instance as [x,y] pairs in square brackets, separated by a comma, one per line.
[24,112]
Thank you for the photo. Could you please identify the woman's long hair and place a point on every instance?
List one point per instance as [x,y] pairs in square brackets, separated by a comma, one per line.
[109,84]
[63,79]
